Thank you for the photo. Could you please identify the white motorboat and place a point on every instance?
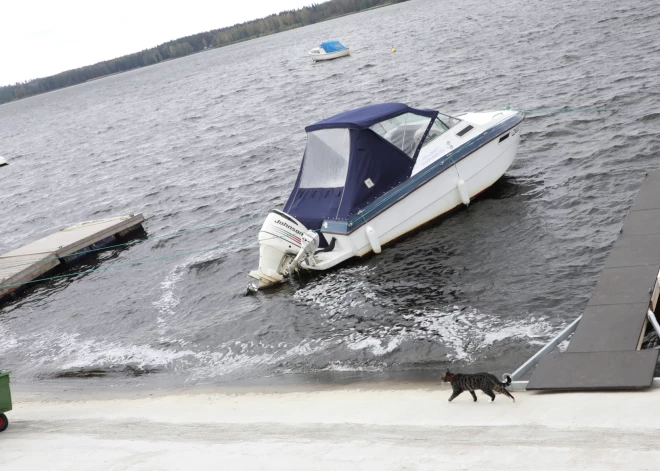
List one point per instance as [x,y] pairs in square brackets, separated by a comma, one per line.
[373,174]
[3,162]
[329,50]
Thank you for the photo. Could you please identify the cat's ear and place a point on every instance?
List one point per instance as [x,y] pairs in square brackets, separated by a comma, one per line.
[448,372]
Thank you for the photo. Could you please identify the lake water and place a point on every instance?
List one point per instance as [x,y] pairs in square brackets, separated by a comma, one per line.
[216,139]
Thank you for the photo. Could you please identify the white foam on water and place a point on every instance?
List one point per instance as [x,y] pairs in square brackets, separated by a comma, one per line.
[376,346]
[168,301]
[464,331]
[8,340]
[343,367]
[67,351]
[226,360]
[535,330]
[346,302]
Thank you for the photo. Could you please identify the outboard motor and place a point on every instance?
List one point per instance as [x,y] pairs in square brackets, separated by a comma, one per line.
[284,243]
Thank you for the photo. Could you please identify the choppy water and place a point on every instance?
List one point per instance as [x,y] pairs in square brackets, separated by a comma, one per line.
[218,137]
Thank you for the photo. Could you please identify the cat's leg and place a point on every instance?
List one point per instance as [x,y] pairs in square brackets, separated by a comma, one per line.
[456,392]
[474,396]
[490,393]
[506,393]
[502,390]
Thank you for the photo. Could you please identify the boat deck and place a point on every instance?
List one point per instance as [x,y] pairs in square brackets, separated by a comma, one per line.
[604,352]
[31,261]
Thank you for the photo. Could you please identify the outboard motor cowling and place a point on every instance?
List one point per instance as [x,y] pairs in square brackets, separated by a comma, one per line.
[284,243]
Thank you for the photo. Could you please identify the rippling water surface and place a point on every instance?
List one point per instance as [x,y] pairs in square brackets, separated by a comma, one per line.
[216,139]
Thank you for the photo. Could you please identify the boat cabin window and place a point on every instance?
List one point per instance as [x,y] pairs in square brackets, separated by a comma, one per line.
[441,125]
[326,159]
[404,131]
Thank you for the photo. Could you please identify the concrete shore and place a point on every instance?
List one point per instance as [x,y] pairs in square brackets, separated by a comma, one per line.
[384,427]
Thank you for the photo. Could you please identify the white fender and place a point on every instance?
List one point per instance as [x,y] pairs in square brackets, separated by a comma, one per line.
[373,239]
[463,192]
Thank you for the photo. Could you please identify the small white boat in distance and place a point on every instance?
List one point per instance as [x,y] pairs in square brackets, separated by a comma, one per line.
[375,173]
[329,50]
[3,162]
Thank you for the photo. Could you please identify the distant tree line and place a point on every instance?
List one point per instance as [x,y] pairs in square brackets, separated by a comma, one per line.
[275,23]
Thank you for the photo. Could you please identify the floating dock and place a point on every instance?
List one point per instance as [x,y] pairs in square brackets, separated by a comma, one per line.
[26,264]
[605,350]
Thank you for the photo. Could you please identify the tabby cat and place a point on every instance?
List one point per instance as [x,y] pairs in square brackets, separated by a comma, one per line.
[487,382]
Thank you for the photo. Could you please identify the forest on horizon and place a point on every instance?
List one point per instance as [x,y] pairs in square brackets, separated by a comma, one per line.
[181,47]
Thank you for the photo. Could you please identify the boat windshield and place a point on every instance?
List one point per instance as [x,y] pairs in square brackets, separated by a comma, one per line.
[448,121]
[441,125]
[404,131]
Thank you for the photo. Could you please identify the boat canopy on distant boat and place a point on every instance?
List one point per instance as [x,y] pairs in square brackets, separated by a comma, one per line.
[332,46]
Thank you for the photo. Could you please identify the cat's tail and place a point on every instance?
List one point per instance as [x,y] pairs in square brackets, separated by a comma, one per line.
[508,380]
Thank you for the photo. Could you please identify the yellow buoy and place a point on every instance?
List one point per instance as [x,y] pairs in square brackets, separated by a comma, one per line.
[393,49]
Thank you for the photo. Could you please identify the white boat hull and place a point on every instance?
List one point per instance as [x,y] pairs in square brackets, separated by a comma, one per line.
[438,196]
[329,56]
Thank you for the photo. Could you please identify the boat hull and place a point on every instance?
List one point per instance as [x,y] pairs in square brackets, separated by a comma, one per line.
[330,56]
[479,170]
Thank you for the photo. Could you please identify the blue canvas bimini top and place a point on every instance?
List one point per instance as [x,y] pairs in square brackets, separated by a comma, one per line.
[367,116]
[355,157]
[332,46]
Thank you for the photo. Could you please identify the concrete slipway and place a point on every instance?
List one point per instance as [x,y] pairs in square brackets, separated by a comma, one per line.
[379,427]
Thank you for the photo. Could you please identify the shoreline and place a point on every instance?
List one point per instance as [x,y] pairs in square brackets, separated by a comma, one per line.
[405,426]
[90,389]
[208,49]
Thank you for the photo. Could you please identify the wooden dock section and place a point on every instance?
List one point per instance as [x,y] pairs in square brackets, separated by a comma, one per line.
[604,352]
[34,260]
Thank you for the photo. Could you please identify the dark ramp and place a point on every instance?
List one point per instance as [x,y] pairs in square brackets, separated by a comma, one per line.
[595,370]
[648,196]
[641,222]
[611,328]
[603,353]
[624,285]
[635,250]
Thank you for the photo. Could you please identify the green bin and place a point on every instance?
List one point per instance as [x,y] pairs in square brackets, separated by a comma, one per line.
[5,398]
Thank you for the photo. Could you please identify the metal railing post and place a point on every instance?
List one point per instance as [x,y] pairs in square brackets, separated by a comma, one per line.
[529,364]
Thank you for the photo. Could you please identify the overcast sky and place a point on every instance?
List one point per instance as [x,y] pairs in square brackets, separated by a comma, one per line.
[43,37]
